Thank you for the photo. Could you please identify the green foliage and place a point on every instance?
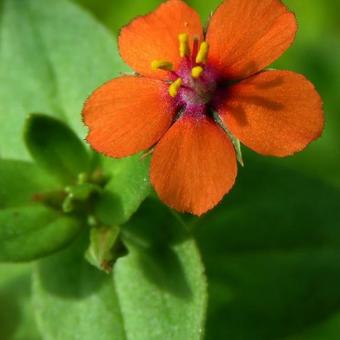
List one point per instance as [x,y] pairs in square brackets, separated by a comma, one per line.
[272,255]
[39,209]
[16,310]
[159,289]
[35,218]
[28,229]
[160,284]
[70,292]
[55,148]
[126,189]
[30,232]
[21,182]
[53,55]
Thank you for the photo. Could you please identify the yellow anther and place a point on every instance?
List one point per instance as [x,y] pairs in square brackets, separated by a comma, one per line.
[161,65]
[183,44]
[202,53]
[174,87]
[196,71]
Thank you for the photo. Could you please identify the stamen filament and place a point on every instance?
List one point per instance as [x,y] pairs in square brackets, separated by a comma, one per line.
[202,53]
[161,65]
[183,44]
[194,49]
[196,71]
[174,87]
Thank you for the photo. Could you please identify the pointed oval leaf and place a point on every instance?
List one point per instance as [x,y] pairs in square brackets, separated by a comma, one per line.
[55,147]
[161,283]
[30,232]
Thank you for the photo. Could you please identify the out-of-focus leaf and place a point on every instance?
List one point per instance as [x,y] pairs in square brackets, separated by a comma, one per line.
[29,232]
[272,252]
[52,56]
[325,330]
[113,16]
[22,182]
[16,311]
[74,300]
[205,8]
[56,148]
[160,284]
[128,186]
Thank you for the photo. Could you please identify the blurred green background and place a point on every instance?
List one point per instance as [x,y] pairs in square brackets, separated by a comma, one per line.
[272,249]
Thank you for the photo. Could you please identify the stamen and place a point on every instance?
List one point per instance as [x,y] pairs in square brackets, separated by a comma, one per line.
[161,65]
[196,71]
[183,44]
[202,53]
[174,87]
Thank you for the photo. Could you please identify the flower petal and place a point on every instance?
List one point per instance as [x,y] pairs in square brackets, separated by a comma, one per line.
[245,36]
[128,115]
[274,113]
[194,165]
[155,36]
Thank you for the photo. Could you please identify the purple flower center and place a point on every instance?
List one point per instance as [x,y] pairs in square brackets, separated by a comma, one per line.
[195,94]
[194,84]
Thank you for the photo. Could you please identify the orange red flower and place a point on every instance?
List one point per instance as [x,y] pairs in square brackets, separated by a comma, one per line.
[192,86]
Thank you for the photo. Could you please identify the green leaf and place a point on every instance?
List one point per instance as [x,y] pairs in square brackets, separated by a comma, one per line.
[56,148]
[21,183]
[74,300]
[52,56]
[30,232]
[128,186]
[16,310]
[272,255]
[159,289]
[160,285]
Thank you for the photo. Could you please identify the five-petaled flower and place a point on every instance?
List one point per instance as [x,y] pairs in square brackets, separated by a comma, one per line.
[192,86]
